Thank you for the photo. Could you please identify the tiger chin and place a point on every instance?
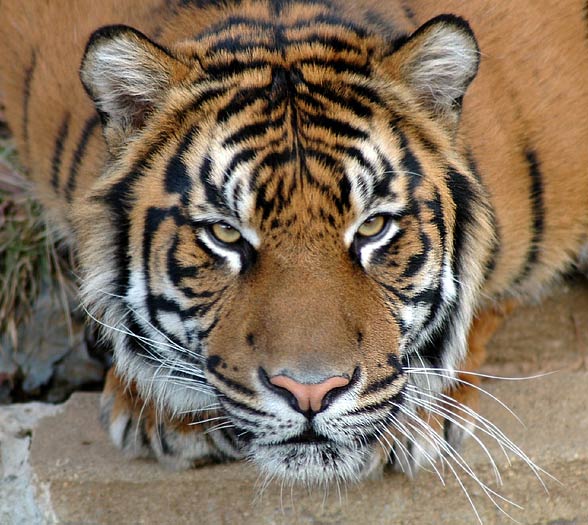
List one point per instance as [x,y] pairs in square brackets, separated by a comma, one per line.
[299,222]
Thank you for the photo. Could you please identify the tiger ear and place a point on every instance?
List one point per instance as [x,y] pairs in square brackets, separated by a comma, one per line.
[127,76]
[438,62]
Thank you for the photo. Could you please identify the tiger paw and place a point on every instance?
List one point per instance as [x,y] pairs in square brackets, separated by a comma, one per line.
[139,430]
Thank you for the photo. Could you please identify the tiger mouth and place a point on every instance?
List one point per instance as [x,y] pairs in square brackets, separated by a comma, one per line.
[312,460]
[308,437]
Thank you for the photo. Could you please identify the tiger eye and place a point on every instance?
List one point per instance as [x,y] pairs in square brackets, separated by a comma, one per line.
[225,233]
[373,226]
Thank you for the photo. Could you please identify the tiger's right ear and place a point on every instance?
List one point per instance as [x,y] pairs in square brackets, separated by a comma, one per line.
[127,76]
[437,62]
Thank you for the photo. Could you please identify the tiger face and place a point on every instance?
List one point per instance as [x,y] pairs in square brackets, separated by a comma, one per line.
[285,227]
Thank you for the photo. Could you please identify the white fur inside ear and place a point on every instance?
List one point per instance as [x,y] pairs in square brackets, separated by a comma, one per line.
[125,73]
[443,62]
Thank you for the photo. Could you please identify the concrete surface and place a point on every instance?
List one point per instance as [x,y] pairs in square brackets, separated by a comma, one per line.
[74,475]
[22,501]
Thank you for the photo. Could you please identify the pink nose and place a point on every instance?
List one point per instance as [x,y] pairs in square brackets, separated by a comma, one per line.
[309,396]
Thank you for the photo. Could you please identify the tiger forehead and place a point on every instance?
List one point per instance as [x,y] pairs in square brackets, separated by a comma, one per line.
[290,149]
[282,33]
[283,136]
[292,139]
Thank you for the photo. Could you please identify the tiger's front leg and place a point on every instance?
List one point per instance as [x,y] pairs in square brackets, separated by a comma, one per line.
[442,421]
[141,430]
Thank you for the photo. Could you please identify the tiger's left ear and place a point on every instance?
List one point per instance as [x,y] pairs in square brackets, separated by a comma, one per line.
[438,62]
[128,76]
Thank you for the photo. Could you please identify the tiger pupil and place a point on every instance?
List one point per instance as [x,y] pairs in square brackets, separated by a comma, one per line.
[225,233]
[373,226]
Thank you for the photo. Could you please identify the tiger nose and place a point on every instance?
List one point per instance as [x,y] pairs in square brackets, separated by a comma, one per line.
[310,397]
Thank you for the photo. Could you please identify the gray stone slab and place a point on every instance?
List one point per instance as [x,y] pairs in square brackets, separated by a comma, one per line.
[21,500]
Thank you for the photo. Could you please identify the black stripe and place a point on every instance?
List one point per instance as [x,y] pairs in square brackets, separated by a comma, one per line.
[202,98]
[417,260]
[490,264]
[332,41]
[337,65]
[336,23]
[212,364]
[153,219]
[408,12]
[273,160]
[177,179]
[28,80]
[234,66]
[382,383]
[238,44]
[229,23]
[125,437]
[244,133]
[166,448]
[279,5]
[58,151]
[411,164]
[334,95]
[336,126]
[436,208]
[78,155]
[464,197]
[176,271]
[381,187]
[537,214]
[211,191]
[433,350]
[118,200]
[585,17]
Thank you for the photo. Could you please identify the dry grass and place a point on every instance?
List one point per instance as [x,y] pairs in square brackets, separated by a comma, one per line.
[27,256]
[36,286]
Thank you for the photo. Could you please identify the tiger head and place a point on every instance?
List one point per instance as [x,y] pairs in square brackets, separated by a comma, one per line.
[287,226]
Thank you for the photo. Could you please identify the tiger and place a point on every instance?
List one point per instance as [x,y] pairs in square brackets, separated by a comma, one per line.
[299,222]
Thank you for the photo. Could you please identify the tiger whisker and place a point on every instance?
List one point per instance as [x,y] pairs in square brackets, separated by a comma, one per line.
[399,426]
[157,357]
[221,426]
[462,407]
[479,374]
[467,383]
[428,457]
[192,411]
[457,478]
[208,420]
[423,367]
[498,435]
[379,436]
[459,461]
[433,439]
[170,342]
[261,488]
[454,419]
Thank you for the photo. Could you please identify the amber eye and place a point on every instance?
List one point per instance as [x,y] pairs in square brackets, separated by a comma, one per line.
[225,233]
[373,226]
